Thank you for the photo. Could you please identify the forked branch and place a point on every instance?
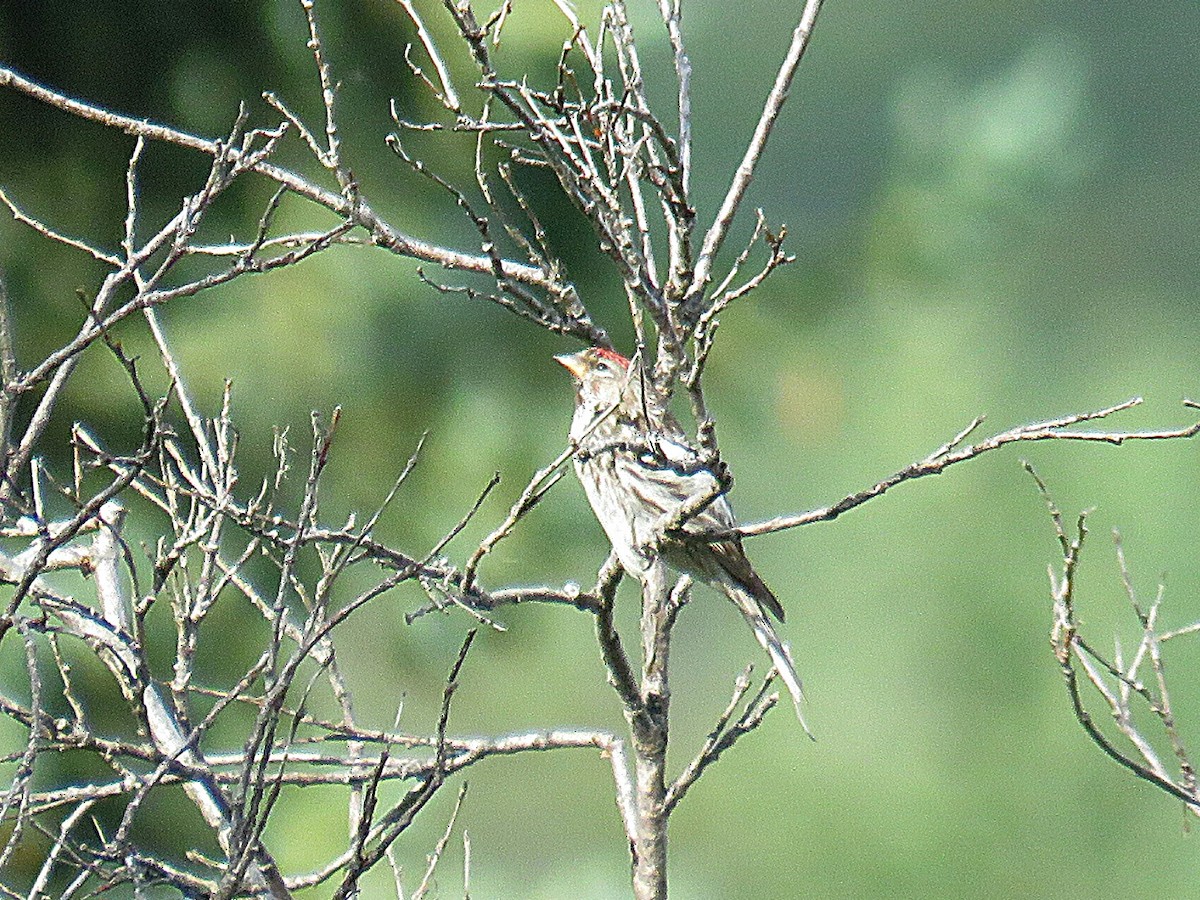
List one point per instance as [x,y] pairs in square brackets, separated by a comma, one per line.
[1123,684]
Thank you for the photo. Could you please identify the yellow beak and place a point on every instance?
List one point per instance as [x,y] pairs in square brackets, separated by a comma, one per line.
[573,363]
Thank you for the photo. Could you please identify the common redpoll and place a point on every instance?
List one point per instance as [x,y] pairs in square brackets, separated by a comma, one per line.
[638,469]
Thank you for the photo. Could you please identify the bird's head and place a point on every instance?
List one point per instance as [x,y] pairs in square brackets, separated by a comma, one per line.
[600,374]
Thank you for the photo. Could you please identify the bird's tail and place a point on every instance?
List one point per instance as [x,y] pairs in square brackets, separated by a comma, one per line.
[764,631]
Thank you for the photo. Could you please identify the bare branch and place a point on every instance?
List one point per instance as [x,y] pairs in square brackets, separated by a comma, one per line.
[447,92]
[1073,653]
[947,455]
[47,232]
[382,233]
[715,236]
[724,735]
[440,848]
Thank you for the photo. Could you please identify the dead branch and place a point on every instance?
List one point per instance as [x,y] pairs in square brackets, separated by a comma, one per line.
[1118,683]
[952,453]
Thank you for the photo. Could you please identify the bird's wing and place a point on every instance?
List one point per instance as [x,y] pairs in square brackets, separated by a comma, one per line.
[730,556]
[666,476]
[667,480]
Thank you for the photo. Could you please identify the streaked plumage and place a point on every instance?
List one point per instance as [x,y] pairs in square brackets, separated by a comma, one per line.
[637,467]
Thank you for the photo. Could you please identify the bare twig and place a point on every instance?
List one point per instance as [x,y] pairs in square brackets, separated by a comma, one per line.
[715,236]
[440,848]
[1074,653]
[724,734]
[950,454]
[383,234]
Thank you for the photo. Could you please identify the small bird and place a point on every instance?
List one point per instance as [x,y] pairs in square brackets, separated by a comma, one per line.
[638,468]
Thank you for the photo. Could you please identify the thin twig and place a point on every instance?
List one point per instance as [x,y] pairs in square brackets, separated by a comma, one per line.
[715,236]
[440,848]
[945,456]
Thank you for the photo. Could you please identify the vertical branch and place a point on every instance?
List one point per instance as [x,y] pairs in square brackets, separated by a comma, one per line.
[8,374]
[672,15]
[650,734]
[680,217]
[18,792]
[715,236]
[331,156]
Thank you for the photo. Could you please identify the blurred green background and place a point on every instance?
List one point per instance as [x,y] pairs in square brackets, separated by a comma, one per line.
[993,207]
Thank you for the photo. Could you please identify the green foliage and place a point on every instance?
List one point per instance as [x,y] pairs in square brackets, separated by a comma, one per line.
[994,208]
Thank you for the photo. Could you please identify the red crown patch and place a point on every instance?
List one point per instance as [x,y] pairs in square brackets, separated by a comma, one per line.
[613,356]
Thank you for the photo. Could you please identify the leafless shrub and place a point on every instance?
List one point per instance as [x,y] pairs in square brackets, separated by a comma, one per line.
[1130,686]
